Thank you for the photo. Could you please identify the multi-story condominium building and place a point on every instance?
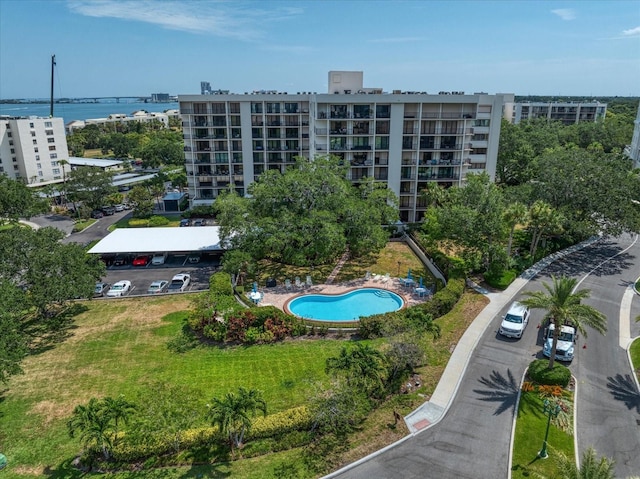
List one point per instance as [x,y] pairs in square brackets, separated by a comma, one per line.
[403,139]
[121,118]
[567,113]
[31,148]
[633,150]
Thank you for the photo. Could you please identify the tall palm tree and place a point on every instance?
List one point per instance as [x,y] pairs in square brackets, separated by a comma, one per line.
[564,306]
[232,413]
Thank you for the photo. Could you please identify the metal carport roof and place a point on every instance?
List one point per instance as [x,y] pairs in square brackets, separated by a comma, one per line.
[150,240]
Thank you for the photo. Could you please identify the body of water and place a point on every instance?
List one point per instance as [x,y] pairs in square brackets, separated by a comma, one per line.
[83,111]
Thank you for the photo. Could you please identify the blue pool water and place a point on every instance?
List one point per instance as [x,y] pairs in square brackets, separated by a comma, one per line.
[345,307]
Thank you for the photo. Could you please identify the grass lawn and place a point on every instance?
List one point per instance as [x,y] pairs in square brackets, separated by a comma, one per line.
[174,220]
[119,347]
[529,436]
[635,356]
[82,224]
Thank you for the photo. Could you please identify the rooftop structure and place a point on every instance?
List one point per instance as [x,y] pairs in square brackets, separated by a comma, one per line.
[566,112]
[401,139]
[123,118]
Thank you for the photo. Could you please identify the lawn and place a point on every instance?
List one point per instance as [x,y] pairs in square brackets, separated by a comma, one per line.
[530,430]
[118,347]
[635,356]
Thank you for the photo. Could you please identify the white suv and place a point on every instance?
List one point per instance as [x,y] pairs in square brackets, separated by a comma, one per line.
[515,321]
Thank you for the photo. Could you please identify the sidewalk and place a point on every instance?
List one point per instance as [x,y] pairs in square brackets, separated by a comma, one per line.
[432,411]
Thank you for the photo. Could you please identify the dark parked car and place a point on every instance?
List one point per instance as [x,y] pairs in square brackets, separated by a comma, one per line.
[184,222]
[97,214]
[120,260]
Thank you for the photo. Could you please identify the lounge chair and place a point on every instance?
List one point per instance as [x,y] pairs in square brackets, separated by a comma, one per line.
[386,278]
[377,277]
[309,282]
[287,283]
[298,282]
[367,276]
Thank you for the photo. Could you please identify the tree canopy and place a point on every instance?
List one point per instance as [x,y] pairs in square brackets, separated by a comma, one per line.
[308,215]
[18,201]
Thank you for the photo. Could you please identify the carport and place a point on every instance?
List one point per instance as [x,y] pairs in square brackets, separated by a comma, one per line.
[203,239]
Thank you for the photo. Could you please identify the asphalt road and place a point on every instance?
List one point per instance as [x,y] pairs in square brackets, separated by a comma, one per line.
[473,439]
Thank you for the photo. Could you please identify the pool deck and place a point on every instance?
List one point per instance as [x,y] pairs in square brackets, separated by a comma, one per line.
[279,295]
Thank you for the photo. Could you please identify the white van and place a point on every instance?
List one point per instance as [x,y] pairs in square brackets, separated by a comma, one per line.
[515,321]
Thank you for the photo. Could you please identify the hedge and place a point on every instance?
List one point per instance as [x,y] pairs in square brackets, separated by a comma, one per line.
[540,373]
[220,283]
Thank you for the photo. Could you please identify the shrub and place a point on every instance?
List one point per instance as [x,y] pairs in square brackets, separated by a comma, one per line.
[500,279]
[540,373]
[158,221]
[296,419]
[138,223]
[220,283]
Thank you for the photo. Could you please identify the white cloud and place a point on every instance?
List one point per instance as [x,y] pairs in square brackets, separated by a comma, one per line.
[225,19]
[565,13]
[633,32]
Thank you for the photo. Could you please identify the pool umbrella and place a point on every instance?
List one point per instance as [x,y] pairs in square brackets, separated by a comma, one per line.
[421,282]
[255,287]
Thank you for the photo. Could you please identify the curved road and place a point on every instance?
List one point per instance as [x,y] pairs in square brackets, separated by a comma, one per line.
[473,439]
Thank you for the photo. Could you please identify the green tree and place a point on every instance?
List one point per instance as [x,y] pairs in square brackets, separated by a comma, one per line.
[13,341]
[338,410]
[239,264]
[90,186]
[590,467]
[564,306]
[514,214]
[515,155]
[232,413]
[93,424]
[543,220]
[359,365]
[119,410]
[18,201]
[141,201]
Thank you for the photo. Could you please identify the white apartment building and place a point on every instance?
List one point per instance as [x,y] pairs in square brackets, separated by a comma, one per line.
[122,118]
[566,112]
[403,139]
[31,148]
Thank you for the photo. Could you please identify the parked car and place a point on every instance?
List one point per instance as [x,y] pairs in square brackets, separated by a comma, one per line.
[194,258]
[515,321]
[119,289]
[101,289]
[158,287]
[109,210]
[96,214]
[118,208]
[565,349]
[198,222]
[159,258]
[141,260]
[108,259]
[184,222]
[120,260]
[179,283]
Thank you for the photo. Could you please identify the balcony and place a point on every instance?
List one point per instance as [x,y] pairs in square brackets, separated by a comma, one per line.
[361,147]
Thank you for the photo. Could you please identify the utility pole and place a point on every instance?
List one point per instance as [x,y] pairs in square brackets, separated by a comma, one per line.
[53,64]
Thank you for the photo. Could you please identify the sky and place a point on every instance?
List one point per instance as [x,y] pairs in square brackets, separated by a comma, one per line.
[135,48]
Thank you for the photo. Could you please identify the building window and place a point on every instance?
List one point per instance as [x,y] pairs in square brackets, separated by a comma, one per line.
[37,157]
[53,156]
[55,171]
[54,163]
[52,148]
[33,133]
[35,150]
[48,124]
[1,169]
[51,140]
[39,166]
[30,125]
[40,173]
[15,167]
[35,142]
[9,134]
[48,132]
[13,150]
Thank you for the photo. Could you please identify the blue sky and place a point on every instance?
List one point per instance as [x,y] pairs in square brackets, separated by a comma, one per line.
[127,47]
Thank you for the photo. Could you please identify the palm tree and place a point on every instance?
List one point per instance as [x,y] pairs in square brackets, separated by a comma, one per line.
[118,409]
[590,467]
[93,424]
[514,214]
[361,364]
[563,306]
[232,413]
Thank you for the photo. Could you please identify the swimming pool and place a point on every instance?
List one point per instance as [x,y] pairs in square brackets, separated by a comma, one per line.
[349,306]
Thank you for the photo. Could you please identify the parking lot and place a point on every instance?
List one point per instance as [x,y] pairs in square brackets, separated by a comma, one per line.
[142,276]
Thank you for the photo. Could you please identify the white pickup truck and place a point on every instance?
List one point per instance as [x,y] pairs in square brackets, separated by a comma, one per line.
[566,342]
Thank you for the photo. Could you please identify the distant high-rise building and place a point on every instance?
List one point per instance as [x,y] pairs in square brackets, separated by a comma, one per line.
[31,148]
[205,88]
[401,139]
[633,150]
[566,112]
[160,98]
